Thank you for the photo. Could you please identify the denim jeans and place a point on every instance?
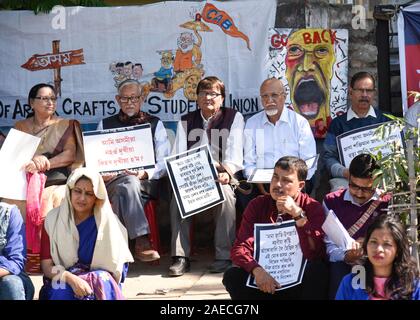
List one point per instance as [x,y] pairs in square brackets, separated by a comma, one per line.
[18,287]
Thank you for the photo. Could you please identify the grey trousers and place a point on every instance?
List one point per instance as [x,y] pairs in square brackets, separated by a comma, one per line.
[225,215]
[128,198]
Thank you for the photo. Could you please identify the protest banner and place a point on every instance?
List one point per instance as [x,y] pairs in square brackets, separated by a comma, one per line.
[93,49]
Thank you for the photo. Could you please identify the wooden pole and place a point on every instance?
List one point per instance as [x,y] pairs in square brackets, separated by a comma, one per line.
[57,71]
[413,207]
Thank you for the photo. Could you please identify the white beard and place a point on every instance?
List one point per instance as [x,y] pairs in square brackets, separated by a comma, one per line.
[130,113]
[189,48]
[271,112]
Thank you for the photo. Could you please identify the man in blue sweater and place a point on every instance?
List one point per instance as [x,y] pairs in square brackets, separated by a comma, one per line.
[360,114]
[14,283]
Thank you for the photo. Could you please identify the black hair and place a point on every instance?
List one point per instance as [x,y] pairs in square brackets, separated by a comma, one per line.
[33,93]
[34,90]
[361,75]
[401,283]
[362,166]
[209,82]
[293,163]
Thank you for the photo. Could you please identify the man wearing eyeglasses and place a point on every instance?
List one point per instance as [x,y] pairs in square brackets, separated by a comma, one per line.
[356,207]
[360,114]
[129,192]
[222,129]
[273,133]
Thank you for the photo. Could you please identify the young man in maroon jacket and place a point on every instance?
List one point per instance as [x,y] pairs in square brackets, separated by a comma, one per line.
[286,199]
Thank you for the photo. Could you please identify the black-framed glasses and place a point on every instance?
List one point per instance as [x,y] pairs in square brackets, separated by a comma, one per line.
[367,91]
[132,99]
[211,95]
[45,99]
[363,189]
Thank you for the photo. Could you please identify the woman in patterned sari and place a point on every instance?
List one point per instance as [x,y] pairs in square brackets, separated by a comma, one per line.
[84,251]
[59,152]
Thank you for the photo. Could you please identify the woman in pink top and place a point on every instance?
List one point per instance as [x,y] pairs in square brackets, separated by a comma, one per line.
[389,271]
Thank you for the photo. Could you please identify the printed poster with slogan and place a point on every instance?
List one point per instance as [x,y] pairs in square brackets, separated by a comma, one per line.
[193,178]
[168,47]
[313,66]
[277,250]
[117,150]
[364,140]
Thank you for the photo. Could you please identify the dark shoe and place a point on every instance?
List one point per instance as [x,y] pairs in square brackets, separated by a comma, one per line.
[144,251]
[220,266]
[179,266]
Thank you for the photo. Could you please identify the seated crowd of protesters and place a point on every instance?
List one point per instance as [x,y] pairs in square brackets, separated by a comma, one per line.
[76,224]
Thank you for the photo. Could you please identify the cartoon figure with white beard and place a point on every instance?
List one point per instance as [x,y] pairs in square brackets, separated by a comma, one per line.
[188,55]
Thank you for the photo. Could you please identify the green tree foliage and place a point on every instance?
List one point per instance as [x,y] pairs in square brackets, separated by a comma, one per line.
[393,173]
[394,176]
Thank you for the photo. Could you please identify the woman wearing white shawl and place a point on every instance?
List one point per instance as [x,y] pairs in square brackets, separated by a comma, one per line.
[84,249]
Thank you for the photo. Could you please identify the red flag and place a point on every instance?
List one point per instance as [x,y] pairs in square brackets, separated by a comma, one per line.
[213,15]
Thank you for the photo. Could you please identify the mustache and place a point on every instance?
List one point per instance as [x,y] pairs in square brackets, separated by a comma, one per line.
[364,100]
[278,190]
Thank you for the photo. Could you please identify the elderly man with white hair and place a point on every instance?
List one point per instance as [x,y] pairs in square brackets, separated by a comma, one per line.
[129,191]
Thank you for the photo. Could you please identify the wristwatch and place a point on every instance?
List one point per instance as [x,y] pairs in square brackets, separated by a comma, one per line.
[300,216]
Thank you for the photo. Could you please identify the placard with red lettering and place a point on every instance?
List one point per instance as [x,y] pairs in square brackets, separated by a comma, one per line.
[115,150]
[313,66]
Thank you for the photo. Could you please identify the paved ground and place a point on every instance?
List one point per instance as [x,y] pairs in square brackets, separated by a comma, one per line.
[150,282]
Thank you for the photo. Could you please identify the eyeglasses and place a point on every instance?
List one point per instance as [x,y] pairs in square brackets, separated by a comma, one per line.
[363,189]
[296,51]
[367,91]
[45,99]
[79,192]
[132,99]
[211,95]
[274,96]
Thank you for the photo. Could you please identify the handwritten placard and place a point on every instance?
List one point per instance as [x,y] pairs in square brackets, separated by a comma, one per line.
[193,179]
[115,150]
[277,250]
[364,140]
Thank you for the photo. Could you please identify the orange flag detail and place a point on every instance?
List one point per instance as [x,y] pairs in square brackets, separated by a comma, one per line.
[213,15]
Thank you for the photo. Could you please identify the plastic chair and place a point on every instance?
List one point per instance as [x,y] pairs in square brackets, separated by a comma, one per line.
[150,210]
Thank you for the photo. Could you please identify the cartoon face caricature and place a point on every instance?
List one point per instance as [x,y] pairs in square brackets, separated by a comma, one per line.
[309,60]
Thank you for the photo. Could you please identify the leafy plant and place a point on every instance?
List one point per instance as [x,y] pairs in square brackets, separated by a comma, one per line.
[399,174]
[45,6]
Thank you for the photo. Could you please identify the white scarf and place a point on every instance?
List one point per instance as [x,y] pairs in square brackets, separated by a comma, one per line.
[111,248]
